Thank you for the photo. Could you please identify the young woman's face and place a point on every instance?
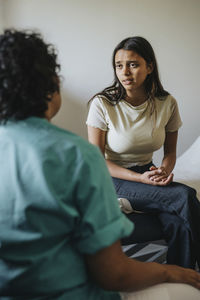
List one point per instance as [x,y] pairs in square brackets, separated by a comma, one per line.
[131,69]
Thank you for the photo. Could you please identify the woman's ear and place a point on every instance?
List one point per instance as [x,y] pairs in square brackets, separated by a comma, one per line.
[150,68]
[53,106]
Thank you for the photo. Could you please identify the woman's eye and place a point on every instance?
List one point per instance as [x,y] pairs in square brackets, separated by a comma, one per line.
[133,65]
[118,66]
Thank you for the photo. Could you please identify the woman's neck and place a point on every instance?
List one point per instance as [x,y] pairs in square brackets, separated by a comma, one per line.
[136,98]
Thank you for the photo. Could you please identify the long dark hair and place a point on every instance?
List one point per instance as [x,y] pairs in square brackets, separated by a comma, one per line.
[152,84]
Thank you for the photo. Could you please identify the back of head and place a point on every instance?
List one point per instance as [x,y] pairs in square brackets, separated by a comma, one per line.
[28,72]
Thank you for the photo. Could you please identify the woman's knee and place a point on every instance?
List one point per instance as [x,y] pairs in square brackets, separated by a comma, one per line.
[185,189]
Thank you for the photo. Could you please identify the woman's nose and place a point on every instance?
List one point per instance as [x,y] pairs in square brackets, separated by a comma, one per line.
[126,70]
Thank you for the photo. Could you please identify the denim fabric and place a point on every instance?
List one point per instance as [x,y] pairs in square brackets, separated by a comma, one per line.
[177,209]
[147,228]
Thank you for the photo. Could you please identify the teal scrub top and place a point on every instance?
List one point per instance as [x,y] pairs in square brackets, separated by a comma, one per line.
[57,203]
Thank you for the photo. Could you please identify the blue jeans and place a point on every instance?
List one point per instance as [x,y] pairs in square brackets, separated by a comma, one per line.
[177,209]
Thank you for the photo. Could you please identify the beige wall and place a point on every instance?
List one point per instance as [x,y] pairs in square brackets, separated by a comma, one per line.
[85,33]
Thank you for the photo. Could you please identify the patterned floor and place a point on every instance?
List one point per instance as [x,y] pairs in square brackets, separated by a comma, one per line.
[146,252]
[154,251]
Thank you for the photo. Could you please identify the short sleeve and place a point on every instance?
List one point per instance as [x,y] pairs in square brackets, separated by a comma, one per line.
[101,221]
[174,122]
[96,114]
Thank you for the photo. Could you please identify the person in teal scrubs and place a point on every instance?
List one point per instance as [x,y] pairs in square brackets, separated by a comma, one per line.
[60,224]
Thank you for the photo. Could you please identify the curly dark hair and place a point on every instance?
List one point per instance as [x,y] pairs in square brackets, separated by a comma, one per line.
[28,74]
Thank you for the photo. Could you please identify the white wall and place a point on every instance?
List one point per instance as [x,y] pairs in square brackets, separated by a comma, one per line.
[1,15]
[86,32]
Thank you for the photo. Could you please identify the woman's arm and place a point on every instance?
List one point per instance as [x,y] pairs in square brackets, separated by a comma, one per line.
[169,158]
[97,137]
[113,270]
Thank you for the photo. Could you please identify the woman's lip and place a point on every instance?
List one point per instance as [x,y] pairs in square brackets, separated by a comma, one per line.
[127,81]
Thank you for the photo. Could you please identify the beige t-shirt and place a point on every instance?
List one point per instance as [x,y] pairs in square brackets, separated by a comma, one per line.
[133,133]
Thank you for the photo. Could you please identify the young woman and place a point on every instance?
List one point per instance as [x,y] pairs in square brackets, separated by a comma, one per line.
[129,121]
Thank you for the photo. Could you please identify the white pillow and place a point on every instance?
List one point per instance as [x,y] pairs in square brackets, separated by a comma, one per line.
[187,169]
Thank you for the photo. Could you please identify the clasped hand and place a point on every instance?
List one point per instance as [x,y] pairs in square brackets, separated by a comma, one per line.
[157,176]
